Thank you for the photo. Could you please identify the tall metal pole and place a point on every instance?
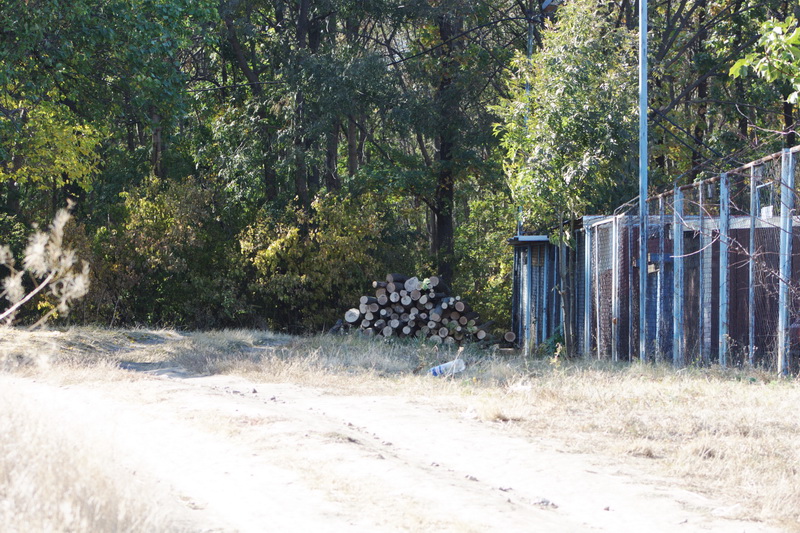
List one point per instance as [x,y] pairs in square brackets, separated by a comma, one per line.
[660,282]
[643,180]
[678,338]
[704,275]
[787,209]
[529,15]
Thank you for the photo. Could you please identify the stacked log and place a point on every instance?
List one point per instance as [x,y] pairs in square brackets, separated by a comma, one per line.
[409,307]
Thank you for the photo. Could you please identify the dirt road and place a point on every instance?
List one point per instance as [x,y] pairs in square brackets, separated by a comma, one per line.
[225,454]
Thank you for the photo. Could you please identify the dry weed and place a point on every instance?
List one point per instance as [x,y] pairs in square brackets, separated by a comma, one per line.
[58,481]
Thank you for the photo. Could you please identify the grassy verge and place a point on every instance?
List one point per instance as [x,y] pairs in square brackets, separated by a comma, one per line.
[727,433]
[56,480]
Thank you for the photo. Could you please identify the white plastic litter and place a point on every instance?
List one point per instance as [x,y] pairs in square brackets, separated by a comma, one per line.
[449,368]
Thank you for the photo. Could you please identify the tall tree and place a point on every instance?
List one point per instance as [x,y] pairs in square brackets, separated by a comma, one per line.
[569,126]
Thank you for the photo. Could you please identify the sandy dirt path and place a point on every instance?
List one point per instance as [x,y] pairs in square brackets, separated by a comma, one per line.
[231,455]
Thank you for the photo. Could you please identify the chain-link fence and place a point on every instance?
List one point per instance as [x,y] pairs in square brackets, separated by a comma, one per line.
[723,272]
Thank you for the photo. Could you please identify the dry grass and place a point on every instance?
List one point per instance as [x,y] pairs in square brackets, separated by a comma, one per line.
[727,433]
[57,481]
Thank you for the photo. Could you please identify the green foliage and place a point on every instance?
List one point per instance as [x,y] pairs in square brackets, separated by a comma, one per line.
[485,262]
[50,146]
[196,134]
[165,220]
[14,233]
[172,261]
[777,56]
[569,126]
[309,268]
[702,120]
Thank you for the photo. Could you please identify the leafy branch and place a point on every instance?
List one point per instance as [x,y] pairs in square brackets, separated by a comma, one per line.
[777,57]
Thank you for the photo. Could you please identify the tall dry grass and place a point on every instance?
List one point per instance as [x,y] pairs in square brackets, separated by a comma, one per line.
[54,479]
[731,434]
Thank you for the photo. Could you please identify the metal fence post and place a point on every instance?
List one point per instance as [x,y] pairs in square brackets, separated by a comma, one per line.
[787,208]
[643,181]
[531,303]
[516,320]
[587,291]
[755,173]
[553,294]
[677,270]
[596,282]
[615,289]
[724,230]
[660,296]
[631,281]
[544,296]
[704,299]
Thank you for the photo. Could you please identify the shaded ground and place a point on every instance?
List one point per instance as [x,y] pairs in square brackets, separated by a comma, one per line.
[231,455]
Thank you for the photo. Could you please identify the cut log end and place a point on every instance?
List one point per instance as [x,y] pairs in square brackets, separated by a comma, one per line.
[412,284]
[352,316]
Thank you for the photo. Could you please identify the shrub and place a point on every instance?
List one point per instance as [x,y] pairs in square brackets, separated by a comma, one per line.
[311,267]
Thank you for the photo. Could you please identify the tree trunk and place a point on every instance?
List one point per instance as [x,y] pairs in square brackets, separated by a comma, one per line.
[362,140]
[702,94]
[300,146]
[301,33]
[788,124]
[352,316]
[157,147]
[743,124]
[130,137]
[241,60]
[313,176]
[12,197]
[301,170]
[570,329]
[352,147]
[270,181]
[443,245]
[331,154]
[565,289]
[447,100]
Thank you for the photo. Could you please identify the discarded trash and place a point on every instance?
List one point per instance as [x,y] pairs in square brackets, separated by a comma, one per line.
[451,367]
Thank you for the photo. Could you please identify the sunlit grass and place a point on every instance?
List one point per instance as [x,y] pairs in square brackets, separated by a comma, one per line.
[59,479]
[731,434]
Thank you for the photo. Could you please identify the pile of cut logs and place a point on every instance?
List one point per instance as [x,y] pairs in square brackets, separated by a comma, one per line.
[410,307]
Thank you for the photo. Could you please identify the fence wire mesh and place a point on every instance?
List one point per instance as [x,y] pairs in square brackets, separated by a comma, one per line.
[723,272]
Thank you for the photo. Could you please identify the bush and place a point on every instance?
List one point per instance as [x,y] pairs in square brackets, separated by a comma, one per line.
[175,260]
[309,268]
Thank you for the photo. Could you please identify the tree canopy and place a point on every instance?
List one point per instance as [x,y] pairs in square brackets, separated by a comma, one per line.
[258,163]
[570,118]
